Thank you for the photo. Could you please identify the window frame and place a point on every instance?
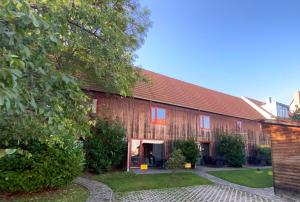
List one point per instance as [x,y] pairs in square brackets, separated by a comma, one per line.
[157,121]
[239,126]
[95,103]
[202,125]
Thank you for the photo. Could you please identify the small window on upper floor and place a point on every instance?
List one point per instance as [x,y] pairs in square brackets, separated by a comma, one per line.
[238,126]
[94,105]
[158,115]
[282,111]
[204,122]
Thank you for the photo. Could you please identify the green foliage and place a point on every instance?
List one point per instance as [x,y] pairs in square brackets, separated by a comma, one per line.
[265,154]
[296,115]
[176,160]
[106,146]
[36,166]
[189,149]
[44,43]
[42,40]
[232,148]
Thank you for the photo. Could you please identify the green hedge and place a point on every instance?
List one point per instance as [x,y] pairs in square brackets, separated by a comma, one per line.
[106,146]
[232,148]
[35,166]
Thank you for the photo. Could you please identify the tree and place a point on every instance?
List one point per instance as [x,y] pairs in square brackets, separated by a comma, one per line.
[78,37]
[43,46]
[296,115]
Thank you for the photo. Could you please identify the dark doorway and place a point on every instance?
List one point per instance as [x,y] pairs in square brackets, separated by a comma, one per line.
[153,154]
[205,153]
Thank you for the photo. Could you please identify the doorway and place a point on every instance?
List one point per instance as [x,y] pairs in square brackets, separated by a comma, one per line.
[149,152]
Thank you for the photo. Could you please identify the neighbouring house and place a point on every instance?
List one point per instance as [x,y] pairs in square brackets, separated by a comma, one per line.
[269,109]
[295,104]
[166,109]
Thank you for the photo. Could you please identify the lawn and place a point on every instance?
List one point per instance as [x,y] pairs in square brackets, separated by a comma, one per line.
[247,177]
[128,181]
[70,193]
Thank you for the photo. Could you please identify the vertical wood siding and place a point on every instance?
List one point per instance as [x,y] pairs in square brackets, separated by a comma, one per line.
[181,123]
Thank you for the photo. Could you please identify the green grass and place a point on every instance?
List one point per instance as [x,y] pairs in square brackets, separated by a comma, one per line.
[247,177]
[71,193]
[128,181]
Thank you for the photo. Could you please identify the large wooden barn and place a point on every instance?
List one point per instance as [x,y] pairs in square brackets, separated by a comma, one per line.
[166,109]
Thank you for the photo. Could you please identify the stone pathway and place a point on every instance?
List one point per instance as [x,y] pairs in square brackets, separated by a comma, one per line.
[98,191]
[211,193]
[264,192]
[221,191]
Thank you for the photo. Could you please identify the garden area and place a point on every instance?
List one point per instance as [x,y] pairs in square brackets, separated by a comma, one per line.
[128,181]
[70,193]
[46,120]
[255,178]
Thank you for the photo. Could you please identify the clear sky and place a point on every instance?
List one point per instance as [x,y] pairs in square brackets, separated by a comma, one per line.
[240,47]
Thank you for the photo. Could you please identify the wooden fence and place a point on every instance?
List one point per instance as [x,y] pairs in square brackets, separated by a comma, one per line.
[285,141]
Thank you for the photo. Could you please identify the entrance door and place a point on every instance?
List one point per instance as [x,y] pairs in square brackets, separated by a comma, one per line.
[146,151]
[153,154]
[205,153]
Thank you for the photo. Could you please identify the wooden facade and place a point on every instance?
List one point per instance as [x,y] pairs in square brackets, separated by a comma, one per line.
[285,136]
[181,123]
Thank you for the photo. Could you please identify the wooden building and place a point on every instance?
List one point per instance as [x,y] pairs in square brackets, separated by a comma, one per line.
[285,136]
[165,110]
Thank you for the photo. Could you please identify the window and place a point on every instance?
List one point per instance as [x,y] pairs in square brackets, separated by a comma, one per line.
[282,111]
[158,115]
[95,106]
[204,122]
[239,126]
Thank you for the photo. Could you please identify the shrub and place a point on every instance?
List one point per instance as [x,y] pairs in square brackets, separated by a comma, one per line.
[261,155]
[176,160]
[233,150]
[106,145]
[36,166]
[265,155]
[189,150]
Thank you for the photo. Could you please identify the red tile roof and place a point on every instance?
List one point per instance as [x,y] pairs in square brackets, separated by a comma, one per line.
[257,102]
[175,92]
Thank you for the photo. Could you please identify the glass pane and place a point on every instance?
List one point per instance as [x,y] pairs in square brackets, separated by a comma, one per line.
[135,152]
[206,122]
[161,113]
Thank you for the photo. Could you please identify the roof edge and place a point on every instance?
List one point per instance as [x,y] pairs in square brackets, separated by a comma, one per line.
[257,108]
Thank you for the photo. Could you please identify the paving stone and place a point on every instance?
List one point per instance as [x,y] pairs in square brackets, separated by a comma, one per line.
[98,191]
[213,193]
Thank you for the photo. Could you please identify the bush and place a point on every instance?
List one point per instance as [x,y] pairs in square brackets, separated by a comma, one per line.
[176,160]
[106,146]
[265,155]
[232,148]
[189,150]
[261,156]
[36,166]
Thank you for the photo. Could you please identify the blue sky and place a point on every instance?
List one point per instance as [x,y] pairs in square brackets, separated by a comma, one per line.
[240,47]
